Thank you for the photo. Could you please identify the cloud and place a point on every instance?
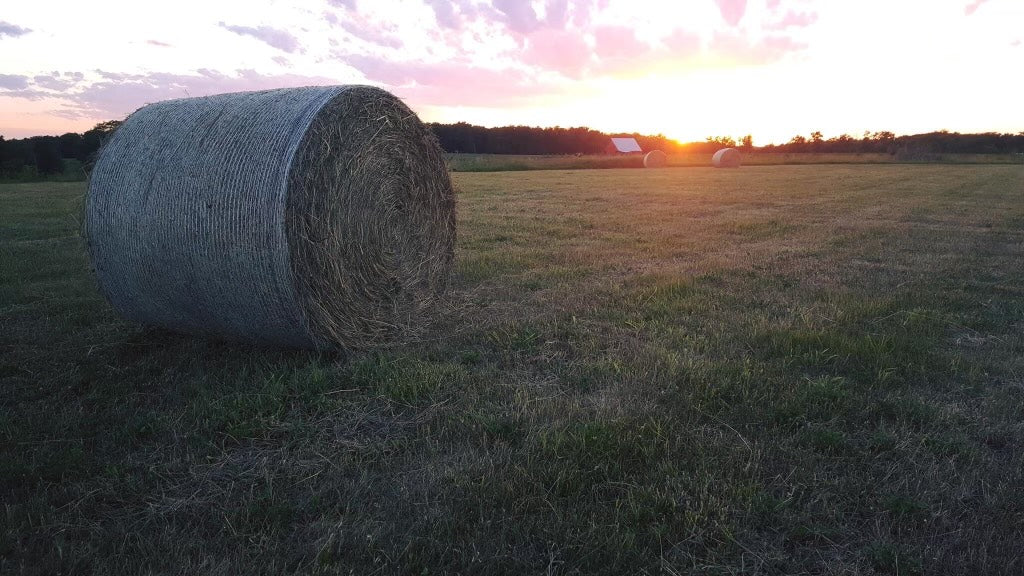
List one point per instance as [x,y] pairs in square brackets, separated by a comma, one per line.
[280,39]
[583,11]
[8,29]
[618,42]
[973,7]
[682,42]
[445,13]
[158,43]
[737,50]
[557,50]
[794,19]
[54,81]
[13,82]
[519,16]
[732,10]
[556,13]
[364,29]
[115,95]
[452,83]
[347,4]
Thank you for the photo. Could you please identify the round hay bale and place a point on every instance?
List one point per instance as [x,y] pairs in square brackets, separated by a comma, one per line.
[655,159]
[319,217]
[726,158]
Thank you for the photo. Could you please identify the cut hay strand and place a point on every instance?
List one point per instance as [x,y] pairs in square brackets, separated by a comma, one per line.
[311,217]
[727,158]
[655,159]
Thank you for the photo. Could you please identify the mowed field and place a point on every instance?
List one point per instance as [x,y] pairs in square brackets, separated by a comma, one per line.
[771,370]
[511,162]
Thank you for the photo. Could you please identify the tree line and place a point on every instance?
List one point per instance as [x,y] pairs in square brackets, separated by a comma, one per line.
[467,138]
[70,154]
[931,143]
[48,156]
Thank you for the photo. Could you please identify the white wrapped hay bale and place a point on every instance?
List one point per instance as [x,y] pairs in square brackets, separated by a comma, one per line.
[655,159]
[319,217]
[727,158]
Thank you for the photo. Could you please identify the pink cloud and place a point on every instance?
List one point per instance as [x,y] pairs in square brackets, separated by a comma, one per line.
[449,83]
[556,13]
[583,10]
[557,50]
[445,13]
[618,42]
[158,43]
[739,50]
[682,41]
[453,14]
[519,15]
[376,33]
[973,7]
[115,95]
[732,10]
[793,19]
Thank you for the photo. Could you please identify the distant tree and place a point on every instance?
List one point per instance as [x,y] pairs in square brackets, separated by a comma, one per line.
[70,145]
[747,142]
[816,140]
[47,153]
[94,138]
[721,141]
[796,144]
[18,158]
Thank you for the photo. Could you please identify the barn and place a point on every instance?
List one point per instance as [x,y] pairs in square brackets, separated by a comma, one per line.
[623,146]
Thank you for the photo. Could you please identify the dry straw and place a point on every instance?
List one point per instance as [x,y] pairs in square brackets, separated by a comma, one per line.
[726,158]
[655,159]
[316,217]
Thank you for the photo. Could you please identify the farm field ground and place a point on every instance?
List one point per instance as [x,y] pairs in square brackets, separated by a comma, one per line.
[776,369]
[511,162]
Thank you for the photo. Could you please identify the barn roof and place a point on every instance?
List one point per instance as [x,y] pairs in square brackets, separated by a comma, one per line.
[626,145]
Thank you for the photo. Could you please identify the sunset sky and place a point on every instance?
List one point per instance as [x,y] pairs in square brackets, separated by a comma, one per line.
[685,68]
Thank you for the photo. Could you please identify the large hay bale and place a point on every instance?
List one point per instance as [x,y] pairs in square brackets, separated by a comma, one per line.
[655,159]
[318,217]
[726,158]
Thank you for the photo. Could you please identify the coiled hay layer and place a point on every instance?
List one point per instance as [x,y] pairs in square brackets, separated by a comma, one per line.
[655,159]
[316,217]
[726,158]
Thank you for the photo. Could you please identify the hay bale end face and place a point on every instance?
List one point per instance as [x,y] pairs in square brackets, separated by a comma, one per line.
[727,158]
[655,159]
[319,217]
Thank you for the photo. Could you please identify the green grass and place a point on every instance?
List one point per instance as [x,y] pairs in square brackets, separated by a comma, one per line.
[519,163]
[771,370]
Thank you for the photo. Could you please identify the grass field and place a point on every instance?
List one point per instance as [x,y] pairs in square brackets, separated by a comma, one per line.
[511,162]
[771,370]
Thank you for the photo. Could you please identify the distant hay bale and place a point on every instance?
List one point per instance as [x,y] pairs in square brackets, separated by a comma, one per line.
[726,158]
[319,217]
[655,159]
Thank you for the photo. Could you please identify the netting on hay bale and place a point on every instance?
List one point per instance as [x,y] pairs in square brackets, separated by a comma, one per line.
[726,158]
[655,159]
[319,217]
